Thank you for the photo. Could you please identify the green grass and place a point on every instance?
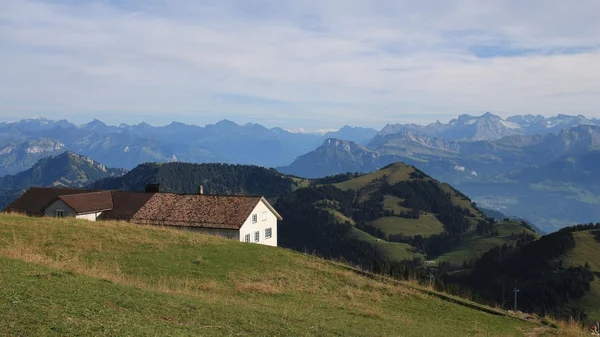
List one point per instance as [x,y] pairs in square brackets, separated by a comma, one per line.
[397,251]
[474,245]
[393,250]
[68,277]
[426,225]
[300,183]
[587,250]
[340,216]
[395,173]
[392,203]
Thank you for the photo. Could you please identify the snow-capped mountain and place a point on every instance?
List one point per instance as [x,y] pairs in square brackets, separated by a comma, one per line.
[466,128]
[491,127]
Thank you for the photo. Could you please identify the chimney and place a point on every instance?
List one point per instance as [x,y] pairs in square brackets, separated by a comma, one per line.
[201,189]
[152,188]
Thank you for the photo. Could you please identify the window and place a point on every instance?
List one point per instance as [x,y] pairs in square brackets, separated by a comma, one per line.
[254,218]
[247,238]
[268,233]
[60,213]
[256,236]
[264,216]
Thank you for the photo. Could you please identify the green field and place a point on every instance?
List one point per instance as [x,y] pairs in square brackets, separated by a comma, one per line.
[587,250]
[426,225]
[474,245]
[393,250]
[392,203]
[339,215]
[68,277]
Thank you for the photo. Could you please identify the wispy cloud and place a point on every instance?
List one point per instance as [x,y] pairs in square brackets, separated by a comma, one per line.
[312,64]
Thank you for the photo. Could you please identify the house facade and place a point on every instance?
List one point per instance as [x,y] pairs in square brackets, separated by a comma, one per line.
[260,226]
[242,218]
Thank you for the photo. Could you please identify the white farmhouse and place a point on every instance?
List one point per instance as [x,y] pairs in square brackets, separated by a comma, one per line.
[238,217]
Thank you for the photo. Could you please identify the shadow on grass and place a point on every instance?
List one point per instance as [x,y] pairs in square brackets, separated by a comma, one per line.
[596,234]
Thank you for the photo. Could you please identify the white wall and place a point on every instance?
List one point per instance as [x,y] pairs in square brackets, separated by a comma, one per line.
[59,204]
[260,226]
[89,216]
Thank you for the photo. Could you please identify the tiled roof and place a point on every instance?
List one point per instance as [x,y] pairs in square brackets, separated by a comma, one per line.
[166,209]
[197,210]
[35,200]
[89,202]
[125,205]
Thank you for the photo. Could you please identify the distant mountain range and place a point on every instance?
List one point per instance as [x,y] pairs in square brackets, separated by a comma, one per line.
[485,156]
[548,179]
[23,143]
[491,127]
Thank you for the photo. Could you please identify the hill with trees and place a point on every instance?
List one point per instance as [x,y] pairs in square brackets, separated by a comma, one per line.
[214,178]
[398,211]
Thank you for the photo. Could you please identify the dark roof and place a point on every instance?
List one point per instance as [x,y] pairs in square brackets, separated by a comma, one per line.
[125,205]
[89,202]
[197,210]
[35,200]
[166,209]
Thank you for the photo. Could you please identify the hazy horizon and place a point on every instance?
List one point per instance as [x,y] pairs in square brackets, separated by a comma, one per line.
[298,129]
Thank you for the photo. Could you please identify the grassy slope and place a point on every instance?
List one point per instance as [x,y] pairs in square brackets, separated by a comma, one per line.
[426,225]
[60,276]
[393,250]
[392,203]
[587,249]
[474,245]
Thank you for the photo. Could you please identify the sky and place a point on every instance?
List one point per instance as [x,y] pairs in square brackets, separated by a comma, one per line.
[302,64]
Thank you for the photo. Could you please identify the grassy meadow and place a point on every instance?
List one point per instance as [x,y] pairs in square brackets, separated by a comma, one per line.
[74,277]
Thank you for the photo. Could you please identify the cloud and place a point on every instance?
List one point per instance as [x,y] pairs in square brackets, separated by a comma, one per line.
[312,64]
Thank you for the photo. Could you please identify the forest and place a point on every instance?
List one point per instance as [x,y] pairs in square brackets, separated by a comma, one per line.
[215,179]
[545,284]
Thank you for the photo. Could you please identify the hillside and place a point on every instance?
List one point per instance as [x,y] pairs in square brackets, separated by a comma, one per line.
[394,214]
[70,277]
[65,170]
[556,275]
[215,178]
[587,250]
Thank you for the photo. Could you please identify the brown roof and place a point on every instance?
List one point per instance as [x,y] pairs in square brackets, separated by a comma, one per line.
[89,202]
[35,200]
[125,205]
[166,209]
[197,210]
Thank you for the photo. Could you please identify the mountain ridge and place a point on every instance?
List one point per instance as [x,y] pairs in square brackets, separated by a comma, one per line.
[67,169]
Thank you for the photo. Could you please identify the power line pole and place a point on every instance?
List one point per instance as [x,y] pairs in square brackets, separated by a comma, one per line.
[515,291]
